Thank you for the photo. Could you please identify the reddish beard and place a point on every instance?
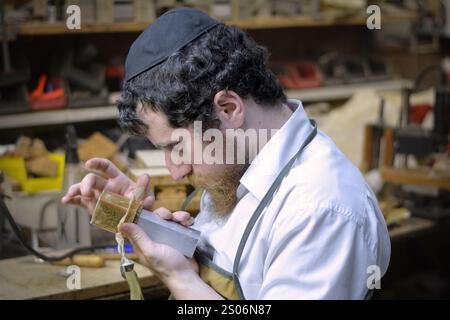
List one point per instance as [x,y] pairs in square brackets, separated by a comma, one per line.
[221,187]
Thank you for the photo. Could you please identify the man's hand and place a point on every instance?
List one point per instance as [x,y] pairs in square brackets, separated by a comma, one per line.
[182,217]
[163,260]
[86,192]
[177,272]
[167,263]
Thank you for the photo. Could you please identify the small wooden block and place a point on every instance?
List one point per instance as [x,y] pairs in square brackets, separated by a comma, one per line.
[38,148]
[43,167]
[23,146]
[97,145]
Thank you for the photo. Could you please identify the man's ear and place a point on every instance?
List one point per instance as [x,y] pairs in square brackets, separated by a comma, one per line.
[230,109]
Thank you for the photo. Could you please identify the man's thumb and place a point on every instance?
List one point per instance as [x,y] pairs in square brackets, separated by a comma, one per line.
[135,234]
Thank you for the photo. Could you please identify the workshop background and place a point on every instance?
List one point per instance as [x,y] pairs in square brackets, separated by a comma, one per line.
[379,90]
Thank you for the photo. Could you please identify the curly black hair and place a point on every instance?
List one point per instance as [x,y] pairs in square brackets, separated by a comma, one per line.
[183,86]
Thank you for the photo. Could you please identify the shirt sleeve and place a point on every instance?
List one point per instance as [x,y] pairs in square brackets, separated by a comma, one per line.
[316,255]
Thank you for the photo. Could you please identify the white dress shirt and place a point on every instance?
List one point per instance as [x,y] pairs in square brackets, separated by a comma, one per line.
[319,236]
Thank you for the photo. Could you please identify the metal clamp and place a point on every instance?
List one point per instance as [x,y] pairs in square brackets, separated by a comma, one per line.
[126,265]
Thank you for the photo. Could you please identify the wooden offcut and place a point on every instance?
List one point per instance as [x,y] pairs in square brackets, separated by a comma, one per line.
[42,167]
[97,145]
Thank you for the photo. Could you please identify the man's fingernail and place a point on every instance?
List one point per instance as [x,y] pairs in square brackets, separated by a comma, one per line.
[124,228]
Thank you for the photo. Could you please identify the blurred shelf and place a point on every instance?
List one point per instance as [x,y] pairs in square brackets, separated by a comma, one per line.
[415,177]
[284,22]
[42,28]
[345,91]
[410,227]
[51,117]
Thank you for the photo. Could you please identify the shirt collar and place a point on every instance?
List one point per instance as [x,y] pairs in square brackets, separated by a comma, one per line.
[277,152]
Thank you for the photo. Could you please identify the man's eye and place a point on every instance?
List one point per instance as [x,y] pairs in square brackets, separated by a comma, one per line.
[170,146]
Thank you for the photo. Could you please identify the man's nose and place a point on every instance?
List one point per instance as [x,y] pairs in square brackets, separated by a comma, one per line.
[180,171]
[177,171]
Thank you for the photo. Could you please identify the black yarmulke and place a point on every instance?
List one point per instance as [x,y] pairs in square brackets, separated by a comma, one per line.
[168,34]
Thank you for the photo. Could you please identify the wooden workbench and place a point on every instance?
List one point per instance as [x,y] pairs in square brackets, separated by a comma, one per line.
[23,278]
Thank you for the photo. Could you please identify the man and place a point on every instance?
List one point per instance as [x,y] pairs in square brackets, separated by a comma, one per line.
[293,221]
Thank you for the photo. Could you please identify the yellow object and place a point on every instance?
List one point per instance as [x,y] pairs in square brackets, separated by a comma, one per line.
[397,215]
[83,260]
[135,287]
[14,167]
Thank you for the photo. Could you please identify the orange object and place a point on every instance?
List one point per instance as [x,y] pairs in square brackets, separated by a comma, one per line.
[305,75]
[115,72]
[419,112]
[36,93]
[299,75]
[41,100]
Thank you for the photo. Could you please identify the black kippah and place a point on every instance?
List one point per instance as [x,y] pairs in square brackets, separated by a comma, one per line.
[169,33]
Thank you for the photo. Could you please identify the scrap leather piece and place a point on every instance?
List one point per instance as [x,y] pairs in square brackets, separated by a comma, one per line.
[113,209]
